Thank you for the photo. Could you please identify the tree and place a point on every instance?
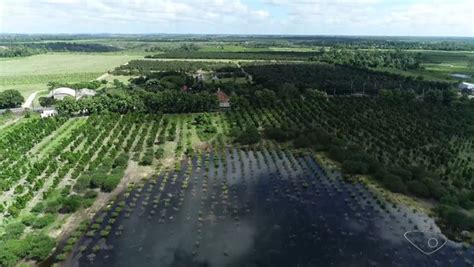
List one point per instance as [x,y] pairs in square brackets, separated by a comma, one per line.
[355,167]
[394,183]
[433,96]
[40,246]
[265,97]
[11,99]
[418,188]
[249,136]
[288,91]
[46,101]
[449,96]
[314,94]
[386,94]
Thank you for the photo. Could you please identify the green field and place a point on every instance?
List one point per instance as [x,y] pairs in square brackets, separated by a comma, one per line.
[440,65]
[29,74]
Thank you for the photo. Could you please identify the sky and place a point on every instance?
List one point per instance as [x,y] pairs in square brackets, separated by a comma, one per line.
[305,17]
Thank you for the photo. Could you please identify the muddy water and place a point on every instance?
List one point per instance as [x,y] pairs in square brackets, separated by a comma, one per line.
[259,208]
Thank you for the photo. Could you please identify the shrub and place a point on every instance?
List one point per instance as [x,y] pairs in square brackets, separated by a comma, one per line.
[147,158]
[121,160]
[70,204]
[38,207]
[82,183]
[355,167]
[418,188]
[456,218]
[44,221]
[394,183]
[13,231]
[249,136]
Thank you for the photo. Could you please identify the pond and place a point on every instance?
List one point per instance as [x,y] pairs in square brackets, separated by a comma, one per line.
[258,208]
[460,75]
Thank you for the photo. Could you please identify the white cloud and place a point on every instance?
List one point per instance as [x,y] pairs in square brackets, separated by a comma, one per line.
[381,17]
[420,17]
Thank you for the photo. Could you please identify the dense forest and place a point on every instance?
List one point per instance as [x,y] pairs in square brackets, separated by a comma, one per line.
[371,58]
[336,79]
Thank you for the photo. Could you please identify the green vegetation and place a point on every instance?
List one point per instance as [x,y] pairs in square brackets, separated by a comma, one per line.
[136,67]
[30,74]
[267,55]
[28,49]
[11,99]
[374,110]
[334,79]
[205,127]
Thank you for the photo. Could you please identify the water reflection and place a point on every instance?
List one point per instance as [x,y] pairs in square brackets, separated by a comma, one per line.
[263,208]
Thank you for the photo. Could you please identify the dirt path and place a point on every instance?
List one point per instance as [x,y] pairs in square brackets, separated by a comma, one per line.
[103,76]
[30,99]
[235,60]
[133,173]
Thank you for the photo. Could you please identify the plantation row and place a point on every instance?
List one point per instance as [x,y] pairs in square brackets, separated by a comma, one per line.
[78,159]
[81,159]
[15,143]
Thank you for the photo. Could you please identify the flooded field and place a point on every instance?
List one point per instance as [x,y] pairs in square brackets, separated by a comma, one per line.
[256,208]
[460,75]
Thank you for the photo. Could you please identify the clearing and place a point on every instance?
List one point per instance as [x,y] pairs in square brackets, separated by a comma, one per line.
[30,74]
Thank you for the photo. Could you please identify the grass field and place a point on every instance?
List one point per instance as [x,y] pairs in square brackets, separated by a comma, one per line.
[441,65]
[29,74]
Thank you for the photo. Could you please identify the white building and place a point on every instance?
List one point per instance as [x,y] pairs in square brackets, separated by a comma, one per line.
[467,87]
[49,113]
[85,92]
[62,92]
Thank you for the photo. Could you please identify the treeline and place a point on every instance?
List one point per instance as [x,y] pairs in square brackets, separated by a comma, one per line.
[28,49]
[89,85]
[451,44]
[371,59]
[18,51]
[72,47]
[143,67]
[160,81]
[167,101]
[336,79]
[267,55]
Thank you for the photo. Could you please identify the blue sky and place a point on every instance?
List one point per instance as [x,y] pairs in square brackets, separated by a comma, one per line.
[327,17]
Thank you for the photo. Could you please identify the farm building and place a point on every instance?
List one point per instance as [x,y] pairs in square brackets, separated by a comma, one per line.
[469,87]
[62,92]
[49,113]
[85,92]
[224,99]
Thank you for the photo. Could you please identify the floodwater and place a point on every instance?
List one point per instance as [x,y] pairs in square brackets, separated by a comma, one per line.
[460,75]
[259,208]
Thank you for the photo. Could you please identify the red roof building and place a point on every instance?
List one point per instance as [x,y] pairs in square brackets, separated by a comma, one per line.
[224,99]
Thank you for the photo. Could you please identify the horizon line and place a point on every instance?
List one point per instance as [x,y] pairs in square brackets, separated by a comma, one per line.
[240,34]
